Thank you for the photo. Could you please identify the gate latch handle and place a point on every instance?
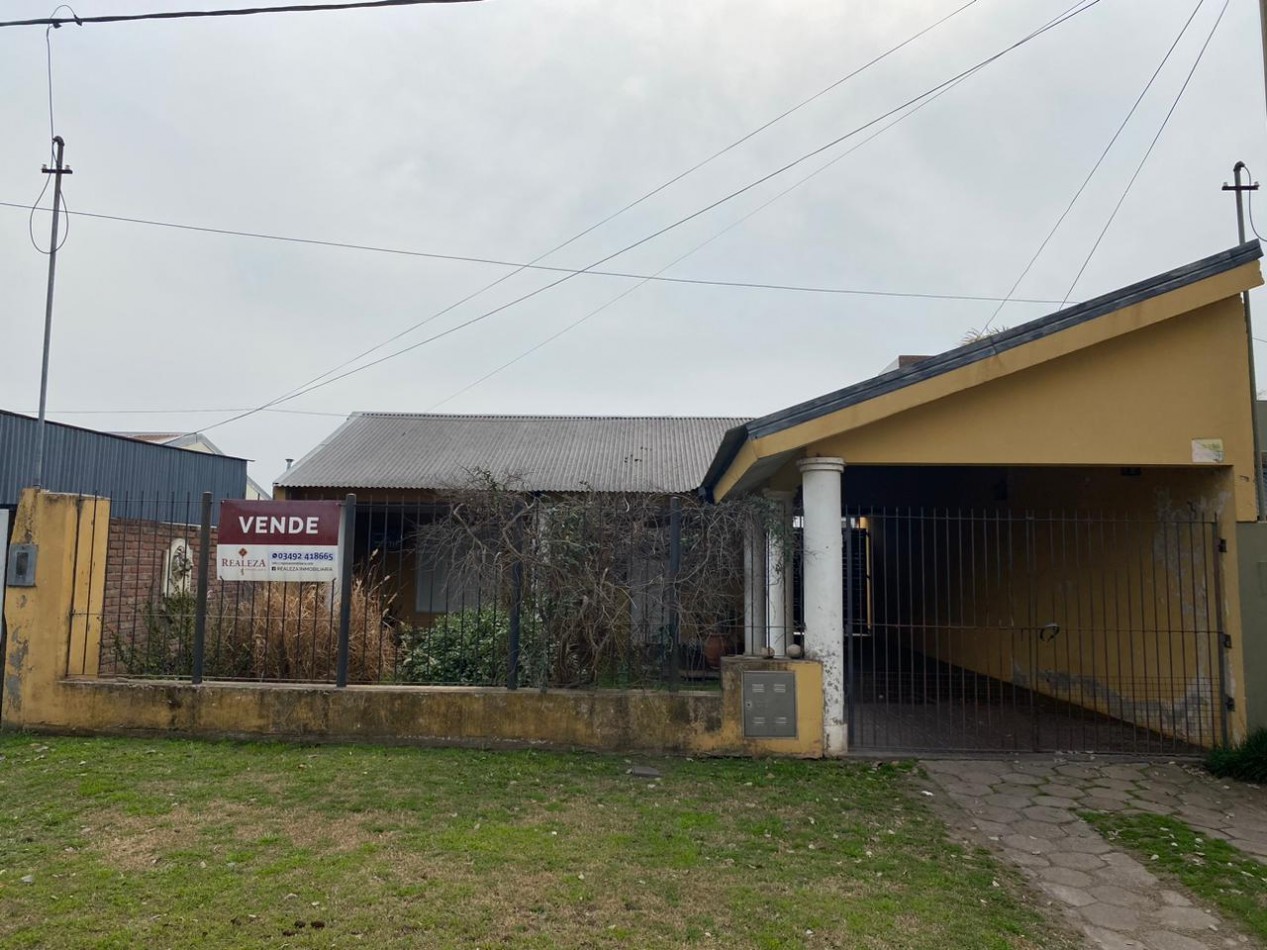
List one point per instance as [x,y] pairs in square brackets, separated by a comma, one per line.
[1048,632]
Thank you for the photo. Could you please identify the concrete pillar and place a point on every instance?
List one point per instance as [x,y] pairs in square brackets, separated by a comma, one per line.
[779,574]
[754,581]
[824,590]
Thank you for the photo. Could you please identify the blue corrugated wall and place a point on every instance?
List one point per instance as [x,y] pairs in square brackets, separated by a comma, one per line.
[127,471]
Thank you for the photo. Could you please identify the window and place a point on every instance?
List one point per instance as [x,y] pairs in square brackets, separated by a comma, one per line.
[440,588]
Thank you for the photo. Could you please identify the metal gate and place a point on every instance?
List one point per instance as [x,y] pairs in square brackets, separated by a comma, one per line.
[1026,631]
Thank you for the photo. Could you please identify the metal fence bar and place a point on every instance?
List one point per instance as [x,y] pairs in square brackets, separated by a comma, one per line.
[1223,701]
[200,604]
[516,603]
[675,567]
[346,536]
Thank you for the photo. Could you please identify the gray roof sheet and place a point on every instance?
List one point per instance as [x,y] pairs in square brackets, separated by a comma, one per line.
[376,450]
[961,356]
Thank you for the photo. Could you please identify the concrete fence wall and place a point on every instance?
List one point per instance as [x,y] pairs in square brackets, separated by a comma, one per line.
[52,681]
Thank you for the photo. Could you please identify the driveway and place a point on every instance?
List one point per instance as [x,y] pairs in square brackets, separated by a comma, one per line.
[1026,808]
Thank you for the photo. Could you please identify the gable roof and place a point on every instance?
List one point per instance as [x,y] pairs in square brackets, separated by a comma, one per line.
[542,453]
[987,347]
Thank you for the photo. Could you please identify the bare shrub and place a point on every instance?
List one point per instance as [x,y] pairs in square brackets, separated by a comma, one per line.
[598,604]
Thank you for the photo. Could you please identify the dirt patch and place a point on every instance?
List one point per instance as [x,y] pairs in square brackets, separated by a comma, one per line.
[140,842]
[135,842]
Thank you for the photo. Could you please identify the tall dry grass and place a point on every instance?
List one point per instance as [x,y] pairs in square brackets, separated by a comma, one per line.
[291,632]
[266,631]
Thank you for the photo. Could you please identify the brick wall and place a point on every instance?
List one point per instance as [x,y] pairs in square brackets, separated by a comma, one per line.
[137,555]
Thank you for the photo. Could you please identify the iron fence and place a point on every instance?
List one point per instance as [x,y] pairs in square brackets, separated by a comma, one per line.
[1033,631]
[484,588]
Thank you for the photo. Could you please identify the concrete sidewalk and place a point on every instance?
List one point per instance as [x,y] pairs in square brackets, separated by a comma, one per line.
[1026,809]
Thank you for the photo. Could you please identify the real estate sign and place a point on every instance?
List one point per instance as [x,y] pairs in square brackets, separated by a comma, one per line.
[278,541]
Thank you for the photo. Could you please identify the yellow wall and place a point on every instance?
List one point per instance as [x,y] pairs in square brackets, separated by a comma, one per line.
[54,628]
[1131,388]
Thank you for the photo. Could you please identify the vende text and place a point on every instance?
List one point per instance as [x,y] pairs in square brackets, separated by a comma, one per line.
[263,524]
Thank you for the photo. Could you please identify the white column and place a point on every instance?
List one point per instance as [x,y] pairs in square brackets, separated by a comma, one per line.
[778,573]
[754,581]
[824,594]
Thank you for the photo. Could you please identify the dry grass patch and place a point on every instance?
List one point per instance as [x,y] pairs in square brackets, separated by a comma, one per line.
[218,845]
[138,842]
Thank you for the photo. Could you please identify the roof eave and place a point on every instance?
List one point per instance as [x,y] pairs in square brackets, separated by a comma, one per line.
[968,354]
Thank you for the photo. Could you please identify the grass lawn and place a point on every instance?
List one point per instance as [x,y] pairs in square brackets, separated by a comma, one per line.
[134,843]
[1229,879]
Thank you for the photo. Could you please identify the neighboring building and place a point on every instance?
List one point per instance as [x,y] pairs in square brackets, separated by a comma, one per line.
[387,454]
[193,442]
[129,472]
[406,470]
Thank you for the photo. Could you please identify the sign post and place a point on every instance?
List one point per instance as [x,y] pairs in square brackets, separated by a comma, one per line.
[278,541]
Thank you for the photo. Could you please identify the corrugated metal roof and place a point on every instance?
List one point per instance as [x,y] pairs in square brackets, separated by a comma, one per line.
[84,461]
[543,453]
[932,366]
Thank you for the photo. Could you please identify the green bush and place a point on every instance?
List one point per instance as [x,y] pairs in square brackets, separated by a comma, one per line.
[472,648]
[467,648]
[165,648]
[1247,761]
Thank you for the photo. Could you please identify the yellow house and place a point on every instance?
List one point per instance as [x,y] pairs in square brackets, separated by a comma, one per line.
[1045,539]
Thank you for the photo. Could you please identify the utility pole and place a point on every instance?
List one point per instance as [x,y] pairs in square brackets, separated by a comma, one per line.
[1240,189]
[57,171]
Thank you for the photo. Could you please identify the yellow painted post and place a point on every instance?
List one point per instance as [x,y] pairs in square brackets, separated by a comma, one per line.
[54,627]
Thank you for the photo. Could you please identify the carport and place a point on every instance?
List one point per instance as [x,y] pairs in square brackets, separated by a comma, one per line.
[1028,542]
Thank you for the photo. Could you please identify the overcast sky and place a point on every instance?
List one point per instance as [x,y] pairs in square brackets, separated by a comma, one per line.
[499,129]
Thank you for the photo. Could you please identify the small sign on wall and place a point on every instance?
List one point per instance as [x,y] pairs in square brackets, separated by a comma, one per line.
[1207,450]
[278,541]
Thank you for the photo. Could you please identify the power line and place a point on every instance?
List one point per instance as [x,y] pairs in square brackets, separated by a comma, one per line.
[596,311]
[1078,8]
[1143,161]
[761,207]
[1096,167]
[180,412]
[54,21]
[1250,205]
[622,210]
[48,59]
[52,145]
[520,266]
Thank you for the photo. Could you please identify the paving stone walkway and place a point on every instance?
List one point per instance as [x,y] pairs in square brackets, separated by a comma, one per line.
[1027,809]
